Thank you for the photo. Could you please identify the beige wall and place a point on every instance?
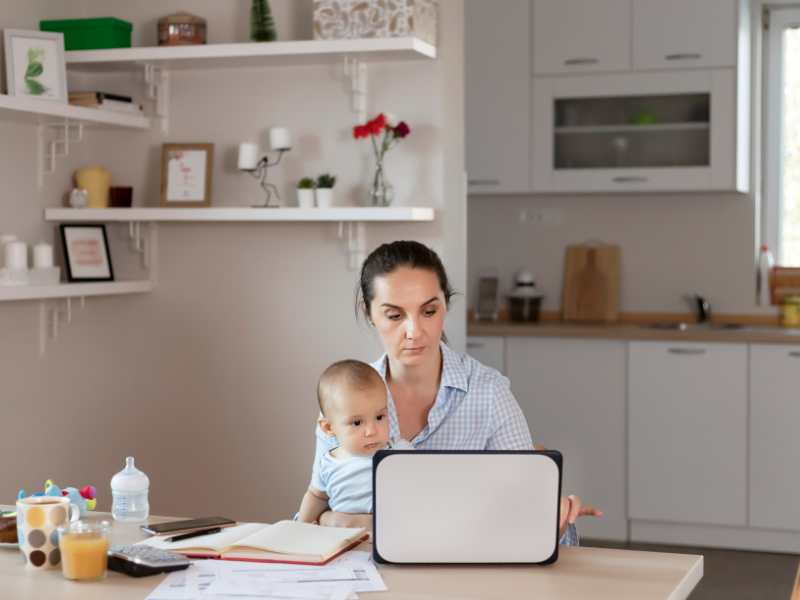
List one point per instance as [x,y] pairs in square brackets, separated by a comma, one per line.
[209,380]
[672,244]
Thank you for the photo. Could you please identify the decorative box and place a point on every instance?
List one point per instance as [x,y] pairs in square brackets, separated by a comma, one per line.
[91,34]
[349,19]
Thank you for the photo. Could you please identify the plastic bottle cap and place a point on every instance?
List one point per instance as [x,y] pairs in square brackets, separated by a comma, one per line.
[130,479]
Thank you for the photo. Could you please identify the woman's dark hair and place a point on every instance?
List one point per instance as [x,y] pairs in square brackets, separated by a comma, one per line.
[388,257]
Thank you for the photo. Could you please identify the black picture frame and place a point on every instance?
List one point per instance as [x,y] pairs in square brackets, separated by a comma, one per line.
[94,232]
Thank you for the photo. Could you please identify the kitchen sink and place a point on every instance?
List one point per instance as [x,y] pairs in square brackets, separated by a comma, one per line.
[683,326]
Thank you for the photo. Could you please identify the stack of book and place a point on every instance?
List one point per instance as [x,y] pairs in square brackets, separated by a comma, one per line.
[105,101]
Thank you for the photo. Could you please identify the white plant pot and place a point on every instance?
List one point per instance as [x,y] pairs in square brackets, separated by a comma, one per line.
[305,198]
[324,197]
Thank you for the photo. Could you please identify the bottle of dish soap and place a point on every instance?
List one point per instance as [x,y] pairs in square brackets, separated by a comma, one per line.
[129,490]
[765,264]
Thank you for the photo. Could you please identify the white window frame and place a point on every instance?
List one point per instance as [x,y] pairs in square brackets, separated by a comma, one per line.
[780,19]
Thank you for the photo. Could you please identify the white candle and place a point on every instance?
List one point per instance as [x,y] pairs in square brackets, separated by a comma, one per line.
[280,138]
[16,255]
[42,256]
[248,156]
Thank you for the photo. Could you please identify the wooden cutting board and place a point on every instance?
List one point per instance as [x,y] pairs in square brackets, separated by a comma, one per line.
[591,283]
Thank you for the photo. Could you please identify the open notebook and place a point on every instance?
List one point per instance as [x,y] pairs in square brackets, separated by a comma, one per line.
[284,541]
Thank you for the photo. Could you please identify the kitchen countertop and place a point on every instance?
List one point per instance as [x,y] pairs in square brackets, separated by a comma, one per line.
[749,334]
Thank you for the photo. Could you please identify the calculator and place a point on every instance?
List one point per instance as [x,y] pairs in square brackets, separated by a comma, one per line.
[141,560]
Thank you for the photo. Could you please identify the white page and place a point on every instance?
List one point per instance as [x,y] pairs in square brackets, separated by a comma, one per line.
[227,537]
[294,537]
[189,584]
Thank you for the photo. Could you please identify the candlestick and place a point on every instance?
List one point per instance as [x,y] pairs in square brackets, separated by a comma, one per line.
[16,256]
[248,156]
[42,256]
[280,138]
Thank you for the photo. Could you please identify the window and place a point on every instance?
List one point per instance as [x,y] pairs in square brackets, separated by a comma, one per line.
[781,214]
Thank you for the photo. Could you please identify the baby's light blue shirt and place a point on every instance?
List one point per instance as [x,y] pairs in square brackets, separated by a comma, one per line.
[347,482]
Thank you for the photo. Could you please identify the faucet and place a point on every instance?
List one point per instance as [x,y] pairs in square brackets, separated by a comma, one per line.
[701,306]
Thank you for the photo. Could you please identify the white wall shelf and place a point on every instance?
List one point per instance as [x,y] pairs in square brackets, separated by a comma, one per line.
[53,313]
[250,54]
[18,108]
[73,290]
[157,61]
[355,214]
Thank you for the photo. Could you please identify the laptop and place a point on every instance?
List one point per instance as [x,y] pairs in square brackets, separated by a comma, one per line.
[466,507]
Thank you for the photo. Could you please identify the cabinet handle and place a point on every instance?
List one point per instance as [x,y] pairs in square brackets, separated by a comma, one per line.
[475,344]
[629,179]
[483,181]
[687,351]
[794,354]
[570,62]
[684,56]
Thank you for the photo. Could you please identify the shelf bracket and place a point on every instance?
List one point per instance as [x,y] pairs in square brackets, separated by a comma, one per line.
[52,147]
[353,236]
[157,81]
[50,320]
[144,244]
[355,71]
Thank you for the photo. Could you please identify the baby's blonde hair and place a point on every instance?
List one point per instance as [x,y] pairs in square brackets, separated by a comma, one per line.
[349,374]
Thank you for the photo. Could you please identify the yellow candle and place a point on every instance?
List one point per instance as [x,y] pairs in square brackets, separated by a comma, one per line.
[84,555]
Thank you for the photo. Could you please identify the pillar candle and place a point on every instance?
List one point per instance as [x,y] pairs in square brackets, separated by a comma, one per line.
[42,256]
[279,138]
[248,156]
[16,255]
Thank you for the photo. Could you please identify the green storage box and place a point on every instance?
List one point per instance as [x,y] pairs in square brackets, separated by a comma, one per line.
[91,34]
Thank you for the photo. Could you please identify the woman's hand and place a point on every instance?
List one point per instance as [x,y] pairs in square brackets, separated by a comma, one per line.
[338,519]
[571,508]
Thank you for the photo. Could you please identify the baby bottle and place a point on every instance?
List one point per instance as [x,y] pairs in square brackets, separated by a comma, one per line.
[129,494]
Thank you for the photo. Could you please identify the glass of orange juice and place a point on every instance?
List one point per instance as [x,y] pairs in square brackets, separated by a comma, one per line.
[84,549]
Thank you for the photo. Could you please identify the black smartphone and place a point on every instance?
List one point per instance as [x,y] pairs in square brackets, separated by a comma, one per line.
[187,525]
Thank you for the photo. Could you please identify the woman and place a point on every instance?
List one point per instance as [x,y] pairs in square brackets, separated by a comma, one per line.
[438,399]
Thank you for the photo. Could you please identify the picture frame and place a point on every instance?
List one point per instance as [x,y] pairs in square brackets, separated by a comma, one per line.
[186,175]
[35,64]
[86,253]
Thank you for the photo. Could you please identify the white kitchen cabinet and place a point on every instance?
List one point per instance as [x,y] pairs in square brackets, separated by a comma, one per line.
[497,95]
[774,441]
[687,432]
[682,34]
[581,36]
[666,131]
[488,350]
[572,392]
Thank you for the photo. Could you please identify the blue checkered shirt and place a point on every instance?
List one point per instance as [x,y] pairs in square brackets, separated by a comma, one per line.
[474,410]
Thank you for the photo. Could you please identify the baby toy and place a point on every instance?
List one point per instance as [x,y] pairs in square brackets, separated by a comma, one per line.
[85,498]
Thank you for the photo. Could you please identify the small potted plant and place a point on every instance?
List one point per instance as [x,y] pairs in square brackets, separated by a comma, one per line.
[324,193]
[305,193]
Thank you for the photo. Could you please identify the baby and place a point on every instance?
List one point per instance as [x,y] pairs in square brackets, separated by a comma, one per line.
[352,400]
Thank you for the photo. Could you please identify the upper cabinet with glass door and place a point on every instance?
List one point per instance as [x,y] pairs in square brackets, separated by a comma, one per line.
[669,131]
[676,119]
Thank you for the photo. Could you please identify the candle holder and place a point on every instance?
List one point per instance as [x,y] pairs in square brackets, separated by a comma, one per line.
[280,141]
[260,173]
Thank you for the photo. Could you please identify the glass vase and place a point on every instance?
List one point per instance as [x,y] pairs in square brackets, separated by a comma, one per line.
[382,192]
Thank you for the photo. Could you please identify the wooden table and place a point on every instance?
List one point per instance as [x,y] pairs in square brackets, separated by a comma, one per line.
[596,573]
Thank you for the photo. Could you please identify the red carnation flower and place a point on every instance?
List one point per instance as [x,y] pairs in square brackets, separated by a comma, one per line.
[402,129]
[360,131]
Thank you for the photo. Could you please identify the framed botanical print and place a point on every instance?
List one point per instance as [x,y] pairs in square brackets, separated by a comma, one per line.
[35,64]
[186,175]
[86,252]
